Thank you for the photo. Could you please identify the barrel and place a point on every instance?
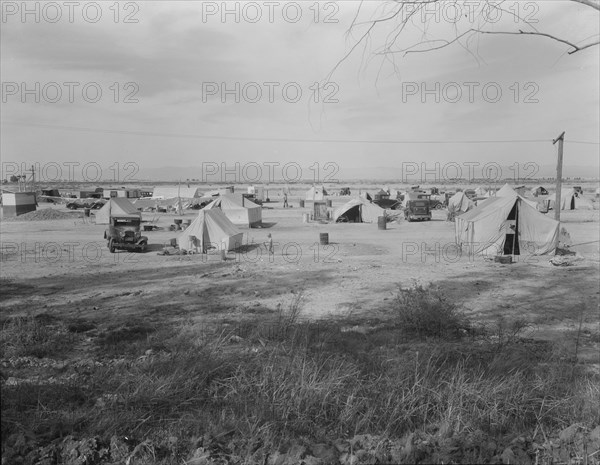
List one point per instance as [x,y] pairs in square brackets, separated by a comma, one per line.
[324,238]
[328,202]
[381,222]
[305,217]
[301,203]
[86,212]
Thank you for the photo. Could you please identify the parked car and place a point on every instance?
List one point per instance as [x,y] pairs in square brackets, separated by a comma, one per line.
[124,233]
[436,204]
[417,210]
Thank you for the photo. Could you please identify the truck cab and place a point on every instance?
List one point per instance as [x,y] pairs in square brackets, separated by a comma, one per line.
[418,207]
[123,233]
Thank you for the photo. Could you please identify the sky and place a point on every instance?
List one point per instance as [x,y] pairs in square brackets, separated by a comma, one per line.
[263,91]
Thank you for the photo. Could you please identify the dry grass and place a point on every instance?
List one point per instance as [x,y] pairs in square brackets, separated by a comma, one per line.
[299,380]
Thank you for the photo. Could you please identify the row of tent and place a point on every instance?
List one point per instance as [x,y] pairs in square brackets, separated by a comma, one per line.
[238,209]
[570,200]
[501,225]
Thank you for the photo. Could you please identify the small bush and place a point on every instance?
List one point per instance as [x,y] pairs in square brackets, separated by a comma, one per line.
[426,313]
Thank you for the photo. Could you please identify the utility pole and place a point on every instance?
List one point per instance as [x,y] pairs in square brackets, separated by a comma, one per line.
[557,197]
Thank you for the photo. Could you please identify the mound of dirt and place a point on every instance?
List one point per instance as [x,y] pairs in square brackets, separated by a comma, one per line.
[45,214]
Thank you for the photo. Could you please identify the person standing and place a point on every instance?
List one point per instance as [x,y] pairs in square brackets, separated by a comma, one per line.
[285,201]
[269,245]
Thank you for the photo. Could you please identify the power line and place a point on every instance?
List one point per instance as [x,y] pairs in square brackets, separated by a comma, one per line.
[284,139]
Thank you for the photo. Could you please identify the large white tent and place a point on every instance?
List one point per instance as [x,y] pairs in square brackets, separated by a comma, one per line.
[238,209]
[571,200]
[117,206]
[505,225]
[358,210]
[507,191]
[210,229]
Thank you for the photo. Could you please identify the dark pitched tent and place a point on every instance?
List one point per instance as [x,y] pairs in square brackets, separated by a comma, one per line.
[117,206]
[358,210]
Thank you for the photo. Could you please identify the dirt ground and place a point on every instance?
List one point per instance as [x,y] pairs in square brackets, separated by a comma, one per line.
[65,267]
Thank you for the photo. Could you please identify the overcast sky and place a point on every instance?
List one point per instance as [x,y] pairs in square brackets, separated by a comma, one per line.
[172,66]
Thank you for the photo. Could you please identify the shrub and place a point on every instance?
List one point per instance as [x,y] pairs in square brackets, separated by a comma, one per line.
[427,313]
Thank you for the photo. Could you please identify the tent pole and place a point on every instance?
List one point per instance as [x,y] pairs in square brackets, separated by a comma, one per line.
[557,201]
[515,231]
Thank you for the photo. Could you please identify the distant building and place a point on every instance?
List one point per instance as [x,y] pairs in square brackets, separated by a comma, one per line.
[18,203]
[127,193]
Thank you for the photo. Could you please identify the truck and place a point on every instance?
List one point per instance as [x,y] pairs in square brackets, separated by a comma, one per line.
[417,207]
[384,200]
[124,233]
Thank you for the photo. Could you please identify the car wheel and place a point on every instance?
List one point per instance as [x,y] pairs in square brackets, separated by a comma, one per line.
[111,246]
[438,206]
[142,246]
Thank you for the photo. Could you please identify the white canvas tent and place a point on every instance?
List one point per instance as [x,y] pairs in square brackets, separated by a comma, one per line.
[507,191]
[117,206]
[571,200]
[316,193]
[210,229]
[460,203]
[238,209]
[506,225]
[358,210]
[164,193]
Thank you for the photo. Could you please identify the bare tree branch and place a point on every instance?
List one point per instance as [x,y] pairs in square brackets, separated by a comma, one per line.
[576,48]
[405,12]
[595,5]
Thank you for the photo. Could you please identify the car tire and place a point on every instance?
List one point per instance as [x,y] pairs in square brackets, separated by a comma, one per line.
[111,246]
[143,246]
[438,206]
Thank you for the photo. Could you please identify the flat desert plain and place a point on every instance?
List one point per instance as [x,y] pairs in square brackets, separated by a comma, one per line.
[64,267]
[132,378]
